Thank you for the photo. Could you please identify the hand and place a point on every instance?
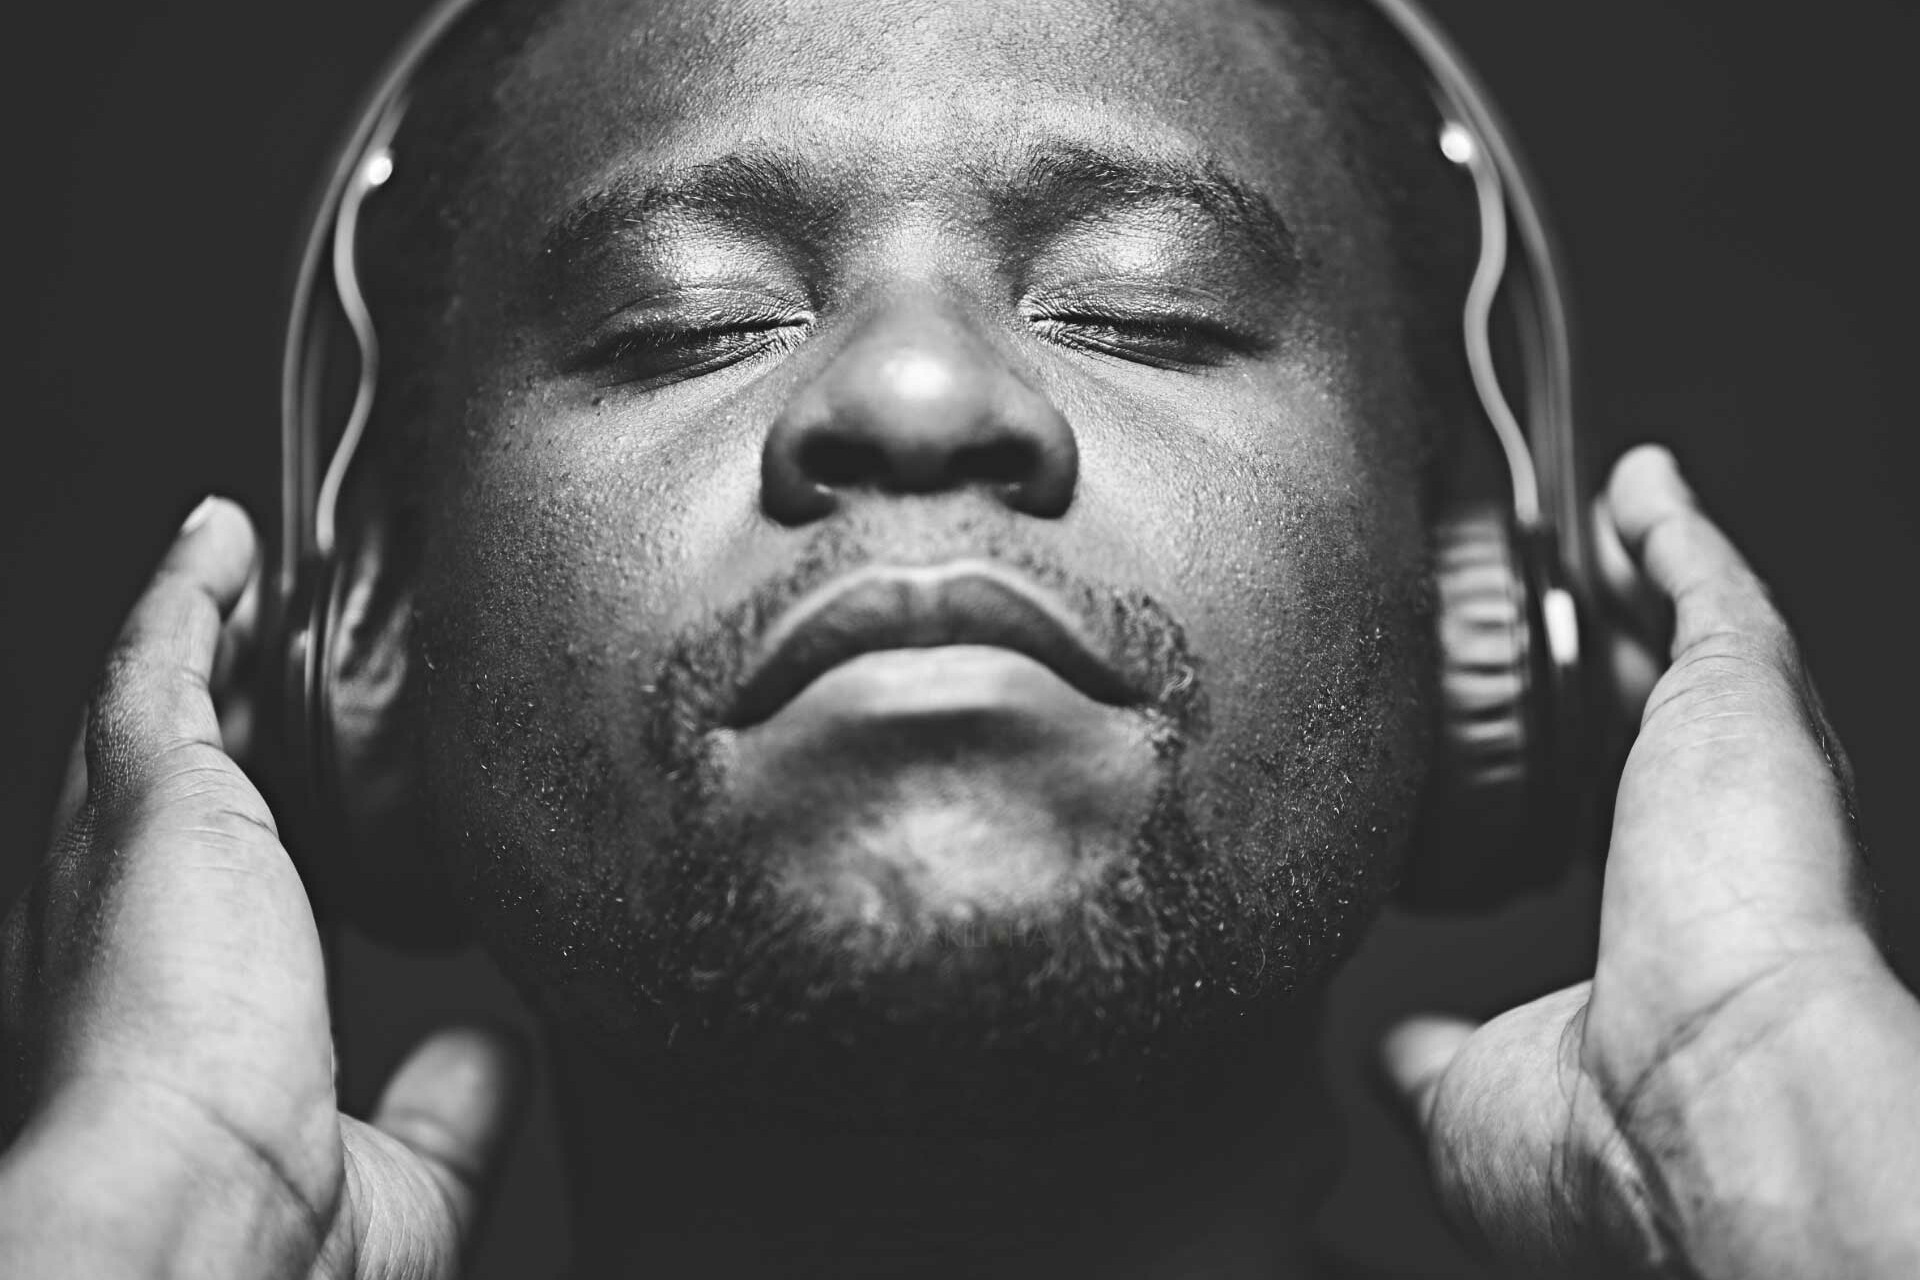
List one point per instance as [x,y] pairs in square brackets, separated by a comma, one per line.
[164,1013]
[1734,1093]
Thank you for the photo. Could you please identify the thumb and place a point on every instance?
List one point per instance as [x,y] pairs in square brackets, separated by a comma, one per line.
[453,1103]
[421,1168]
[1414,1057]
[1523,1157]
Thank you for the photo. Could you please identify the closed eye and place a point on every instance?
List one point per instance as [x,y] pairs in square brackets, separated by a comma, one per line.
[655,354]
[1162,341]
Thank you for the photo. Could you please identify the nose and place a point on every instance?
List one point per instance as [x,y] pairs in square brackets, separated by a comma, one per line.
[917,402]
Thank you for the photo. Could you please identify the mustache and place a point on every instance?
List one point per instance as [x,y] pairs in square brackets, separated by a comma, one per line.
[705,662]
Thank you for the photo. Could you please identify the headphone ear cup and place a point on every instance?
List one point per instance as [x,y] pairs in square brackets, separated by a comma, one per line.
[357,838]
[1486,832]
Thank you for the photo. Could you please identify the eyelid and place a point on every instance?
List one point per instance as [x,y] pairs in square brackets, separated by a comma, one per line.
[693,303]
[1123,291]
[684,313]
[1143,300]
[1203,315]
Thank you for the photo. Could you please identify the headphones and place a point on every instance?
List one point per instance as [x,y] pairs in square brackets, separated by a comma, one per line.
[1511,795]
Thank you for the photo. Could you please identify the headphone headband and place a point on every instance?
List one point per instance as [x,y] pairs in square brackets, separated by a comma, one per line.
[1507,192]
[306,496]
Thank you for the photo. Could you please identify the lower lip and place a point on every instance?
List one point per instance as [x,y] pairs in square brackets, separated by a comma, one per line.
[933,683]
[962,729]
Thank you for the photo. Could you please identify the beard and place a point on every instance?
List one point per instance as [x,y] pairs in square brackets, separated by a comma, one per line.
[1158,982]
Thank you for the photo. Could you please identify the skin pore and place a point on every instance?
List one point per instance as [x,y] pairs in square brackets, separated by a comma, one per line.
[943,955]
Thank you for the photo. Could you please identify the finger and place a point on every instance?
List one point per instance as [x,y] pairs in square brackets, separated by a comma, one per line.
[154,696]
[1625,588]
[1684,556]
[238,634]
[1516,1147]
[1642,619]
[1733,846]
[453,1103]
[1633,669]
[235,691]
[1414,1057]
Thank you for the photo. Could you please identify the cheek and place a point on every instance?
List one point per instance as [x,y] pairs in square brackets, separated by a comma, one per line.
[1319,689]
[1309,607]
[559,562]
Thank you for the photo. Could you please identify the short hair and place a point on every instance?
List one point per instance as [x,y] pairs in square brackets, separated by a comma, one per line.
[1386,120]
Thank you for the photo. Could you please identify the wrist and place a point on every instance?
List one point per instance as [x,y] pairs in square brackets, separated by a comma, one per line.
[115,1180]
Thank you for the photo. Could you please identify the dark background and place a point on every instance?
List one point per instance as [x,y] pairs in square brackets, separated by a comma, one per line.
[1730,181]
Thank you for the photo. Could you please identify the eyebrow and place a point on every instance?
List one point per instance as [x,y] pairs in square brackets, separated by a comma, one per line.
[760,188]
[789,197]
[1061,182]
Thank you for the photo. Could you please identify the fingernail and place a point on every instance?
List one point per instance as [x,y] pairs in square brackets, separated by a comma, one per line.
[198,516]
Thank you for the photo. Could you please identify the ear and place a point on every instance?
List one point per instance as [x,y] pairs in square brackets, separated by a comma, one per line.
[390,882]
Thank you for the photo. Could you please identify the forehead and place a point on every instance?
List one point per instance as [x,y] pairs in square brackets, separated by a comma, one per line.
[906,94]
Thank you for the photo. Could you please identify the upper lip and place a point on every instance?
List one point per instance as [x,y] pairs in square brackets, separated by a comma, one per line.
[919,607]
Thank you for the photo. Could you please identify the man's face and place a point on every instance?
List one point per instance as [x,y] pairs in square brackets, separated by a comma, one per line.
[925,558]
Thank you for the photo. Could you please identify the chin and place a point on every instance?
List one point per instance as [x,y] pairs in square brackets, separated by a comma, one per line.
[937,869]
[935,960]
[965,829]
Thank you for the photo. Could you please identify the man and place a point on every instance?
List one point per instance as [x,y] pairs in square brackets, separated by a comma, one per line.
[903,536]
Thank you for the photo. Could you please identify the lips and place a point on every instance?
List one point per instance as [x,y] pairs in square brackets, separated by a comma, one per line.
[884,608]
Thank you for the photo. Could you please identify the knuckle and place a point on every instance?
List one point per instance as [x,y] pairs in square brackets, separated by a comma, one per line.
[204,789]
[239,823]
[1719,616]
[1762,652]
[1721,723]
[1711,668]
[1702,716]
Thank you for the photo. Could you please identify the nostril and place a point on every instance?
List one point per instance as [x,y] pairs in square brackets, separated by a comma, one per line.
[838,461]
[1008,460]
